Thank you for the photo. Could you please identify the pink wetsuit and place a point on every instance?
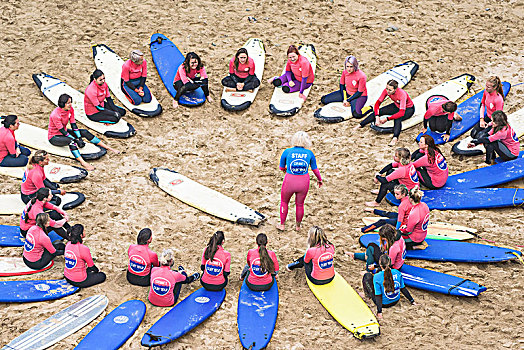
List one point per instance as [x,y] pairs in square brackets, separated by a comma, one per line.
[36,241]
[214,269]
[256,275]
[397,252]
[182,75]
[77,259]
[418,221]
[406,175]
[58,120]
[33,179]
[401,100]
[354,82]
[508,137]
[95,95]
[437,170]
[243,70]
[490,103]
[403,210]
[7,142]
[36,209]
[141,258]
[435,109]
[131,70]
[322,261]
[163,282]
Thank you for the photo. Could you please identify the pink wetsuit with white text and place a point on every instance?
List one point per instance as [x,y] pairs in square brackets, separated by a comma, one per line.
[508,137]
[322,261]
[36,241]
[214,269]
[77,258]
[163,282]
[256,275]
[490,103]
[141,258]
[418,222]
[405,174]
[437,170]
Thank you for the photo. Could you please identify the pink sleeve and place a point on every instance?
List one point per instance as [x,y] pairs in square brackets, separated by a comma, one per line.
[153,257]
[401,213]
[288,66]
[317,174]
[275,261]
[37,179]
[182,74]
[144,68]
[251,67]
[46,242]
[395,164]
[397,174]
[54,207]
[178,276]
[86,255]
[55,122]
[362,84]
[430,112]
[232,66]
[413,219]
[422,161]
[308,256]
[499,135]
[483,101]
[203,74]
[72,115]
[91,96]
[11,144]
[403,100]
[228,263]
[125,71]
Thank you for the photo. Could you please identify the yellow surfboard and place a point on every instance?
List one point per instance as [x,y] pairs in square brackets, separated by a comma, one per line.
[347,307]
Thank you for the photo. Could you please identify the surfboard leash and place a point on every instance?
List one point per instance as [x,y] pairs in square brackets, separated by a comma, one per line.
[515,199]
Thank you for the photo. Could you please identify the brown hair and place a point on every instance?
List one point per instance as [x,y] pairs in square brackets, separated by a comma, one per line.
[497,84]
[393,83]
[416,194]
[432,148]
[385,264]
[292,48]
[212,246]
[188,58]
[239,52]
[41,220]
[404,155]
[449,106]
[266,263]
[41,194]
[388,232]
[501,119]
[36,158]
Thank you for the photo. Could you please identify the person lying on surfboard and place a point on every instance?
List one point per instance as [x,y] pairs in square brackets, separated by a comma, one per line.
[396,219]
[34,178]
[38,249]
[215,264]
[385,286]
[298,76]
[141,259]
[400,109]
[431,165]
[98,104]
[492,100]
[440,115]
[416,229]
[133,79]
[318,260]
[11,153]
[262,266]
[191,75]
[241,73]
[353,92]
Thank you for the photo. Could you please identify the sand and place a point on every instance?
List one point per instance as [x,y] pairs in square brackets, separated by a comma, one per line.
[238,153]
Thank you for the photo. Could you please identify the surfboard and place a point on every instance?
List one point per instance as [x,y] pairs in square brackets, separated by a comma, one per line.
[116,328]
[12,203]
[240,100]
[31,291]
[111,64]
[437,230]
[336,112]
[52,88]
[15,266]
[183,317]
[469,111]
[61,324]
[516,120]
[167,58]
[53,171]
[256,316]
[454,251]
[453,89]
[347,307]
[286,105]
[10,236]
[34,137]
[204,198]
[470,198]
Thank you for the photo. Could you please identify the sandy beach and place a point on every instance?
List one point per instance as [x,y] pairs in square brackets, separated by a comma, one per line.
[238,153]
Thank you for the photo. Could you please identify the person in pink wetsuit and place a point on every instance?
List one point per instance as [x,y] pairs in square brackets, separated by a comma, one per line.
[191,75]
[141,259]
[38,249]
[492,100]
[440,113]
[11,153]
[416,228]
[431,165]
[98,104]
[295,162]
[34,178]
[133,79]
[241,72]
[215,265]
[262,266]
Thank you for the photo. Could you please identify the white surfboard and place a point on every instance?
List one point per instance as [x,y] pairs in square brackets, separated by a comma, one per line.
[111,64]
[515,119]
[286,105]
[204,198]
[453,89]
[12,203]
[15,266]
[53,171]
[35,137]
[52,88]
[240,100]
[336,112]
[60,325]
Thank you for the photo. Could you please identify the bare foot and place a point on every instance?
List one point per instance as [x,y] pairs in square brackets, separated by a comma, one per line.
[351,255]
[393,141]
[377,120]
[87,166]
[175,104]
[356,127]
[298,226]
[281,227]
[115,151]
[372,204]
[362,295]
[231,90]
[270,80]
[374,191]
[371,210]
[210,99]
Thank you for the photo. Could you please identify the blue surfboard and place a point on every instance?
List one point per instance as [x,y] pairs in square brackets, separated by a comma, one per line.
[36,290]
[257,316]
[183,317]
[469,198]
[167,58]
[469,111]
[10,236]
[454,251]
[118,326]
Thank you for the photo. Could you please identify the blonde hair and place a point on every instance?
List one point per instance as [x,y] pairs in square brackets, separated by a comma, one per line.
[37,157]
[301,139]
[416,194]
[317,236]
[404,155]
[166,257]
[136,56]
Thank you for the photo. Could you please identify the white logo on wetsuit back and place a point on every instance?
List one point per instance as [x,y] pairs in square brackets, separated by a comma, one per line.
[214,267]
[395,294]
[298,167]
[441,161]
[413,174]
[161,286]
[425,223]
[121,319]
[137,263]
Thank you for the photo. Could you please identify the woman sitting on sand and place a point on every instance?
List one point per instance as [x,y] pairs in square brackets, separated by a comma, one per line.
[318,260]
[262,266]
[396,219]
[298,76]
[215,264]
[141,259]
[405,174]
[11,153]
[34,178]
[241,73]
[165,283]
[133,79]
[416,228]
[431,165]
[191,75]
[38,249]
[98,104]
[353,92]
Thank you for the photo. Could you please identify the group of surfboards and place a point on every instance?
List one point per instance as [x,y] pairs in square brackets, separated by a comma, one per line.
[186,80]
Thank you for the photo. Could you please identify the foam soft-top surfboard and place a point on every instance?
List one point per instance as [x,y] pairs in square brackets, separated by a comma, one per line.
[167,58]
[15,266]
[347,307]
[34,137]
[114,330]
[10,236]
[53,171]
[204,198]
[183,317]
[61,324]
[52,88]
[12,203]
[454,251]
[31,291]
[336,112]
[453,89]
[469,111]
[256,316]
[240,100]
[469,198]
[111,64]
[286,105]
[516,120]
[437,230]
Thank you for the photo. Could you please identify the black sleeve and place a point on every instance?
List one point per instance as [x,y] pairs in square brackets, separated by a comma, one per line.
[202,267]
[128,83]
[382,179]
[378,301]
[110,103]
[355,96]
[480,140]
[51,185]
[64,132]
[92,269]
[448,126]
[386,168]
[142,82]
[226,274]
[233,77]
[405,291]
[342,88]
